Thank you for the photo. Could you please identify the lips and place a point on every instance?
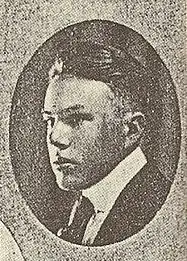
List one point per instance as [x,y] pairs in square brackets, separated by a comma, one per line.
[61,161]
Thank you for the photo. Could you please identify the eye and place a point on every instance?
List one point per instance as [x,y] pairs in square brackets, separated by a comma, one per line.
[49,119]
[76,119]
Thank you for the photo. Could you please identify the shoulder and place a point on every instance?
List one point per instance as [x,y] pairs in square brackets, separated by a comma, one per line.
[136,206]
[145,193]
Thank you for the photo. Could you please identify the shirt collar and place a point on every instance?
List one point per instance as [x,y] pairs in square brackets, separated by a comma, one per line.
[104,194]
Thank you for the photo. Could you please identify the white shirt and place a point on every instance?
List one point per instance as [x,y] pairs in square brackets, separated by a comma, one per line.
[104,194]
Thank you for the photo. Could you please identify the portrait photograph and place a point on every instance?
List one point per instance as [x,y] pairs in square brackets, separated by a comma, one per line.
[93,131]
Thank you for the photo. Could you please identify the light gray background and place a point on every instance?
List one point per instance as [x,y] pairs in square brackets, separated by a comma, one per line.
[25,26]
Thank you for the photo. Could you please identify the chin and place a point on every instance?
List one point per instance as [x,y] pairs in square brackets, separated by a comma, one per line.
[68,183]
[70,180]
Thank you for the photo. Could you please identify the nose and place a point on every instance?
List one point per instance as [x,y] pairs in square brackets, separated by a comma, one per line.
[61,135]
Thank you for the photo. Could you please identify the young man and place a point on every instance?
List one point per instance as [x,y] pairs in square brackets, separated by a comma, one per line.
[98,106]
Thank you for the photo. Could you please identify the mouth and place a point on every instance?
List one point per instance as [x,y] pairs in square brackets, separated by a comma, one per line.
[62,162]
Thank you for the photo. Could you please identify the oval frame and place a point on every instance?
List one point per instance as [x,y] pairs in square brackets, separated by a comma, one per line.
[27,131]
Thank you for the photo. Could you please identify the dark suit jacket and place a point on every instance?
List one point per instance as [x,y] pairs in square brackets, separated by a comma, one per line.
[134,208]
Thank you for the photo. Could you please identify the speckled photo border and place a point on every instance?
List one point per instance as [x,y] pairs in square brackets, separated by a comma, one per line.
[25,25]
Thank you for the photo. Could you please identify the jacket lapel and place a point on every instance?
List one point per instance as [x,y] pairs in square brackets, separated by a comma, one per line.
[135,207]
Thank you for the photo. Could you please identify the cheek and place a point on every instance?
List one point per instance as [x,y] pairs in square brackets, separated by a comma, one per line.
[111,137]
[85,138]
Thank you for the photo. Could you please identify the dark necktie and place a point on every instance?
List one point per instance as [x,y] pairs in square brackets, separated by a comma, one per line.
[75,231]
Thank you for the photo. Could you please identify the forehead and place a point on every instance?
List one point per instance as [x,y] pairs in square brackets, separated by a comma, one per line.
[93,95]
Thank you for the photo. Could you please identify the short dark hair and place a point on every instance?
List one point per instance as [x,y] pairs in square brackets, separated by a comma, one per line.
[126,77]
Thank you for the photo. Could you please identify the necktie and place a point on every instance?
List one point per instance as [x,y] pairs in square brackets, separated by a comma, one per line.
[74,232]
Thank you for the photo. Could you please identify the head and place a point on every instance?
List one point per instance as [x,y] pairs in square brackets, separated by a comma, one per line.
[94,114]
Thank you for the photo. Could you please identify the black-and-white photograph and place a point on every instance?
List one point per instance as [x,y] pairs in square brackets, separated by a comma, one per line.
[94,138]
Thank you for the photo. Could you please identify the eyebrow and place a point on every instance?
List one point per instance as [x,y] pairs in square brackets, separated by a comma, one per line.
[68,110]
[73,108]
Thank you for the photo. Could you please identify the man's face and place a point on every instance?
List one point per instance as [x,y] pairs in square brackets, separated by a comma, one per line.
[84,135]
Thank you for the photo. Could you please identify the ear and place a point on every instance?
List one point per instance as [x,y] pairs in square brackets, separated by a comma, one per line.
[134,128]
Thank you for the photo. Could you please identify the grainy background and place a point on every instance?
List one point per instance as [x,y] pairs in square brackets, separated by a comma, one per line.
[25,25]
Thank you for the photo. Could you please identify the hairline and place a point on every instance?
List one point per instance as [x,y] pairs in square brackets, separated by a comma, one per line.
[120,103]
